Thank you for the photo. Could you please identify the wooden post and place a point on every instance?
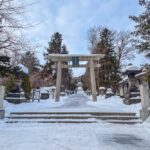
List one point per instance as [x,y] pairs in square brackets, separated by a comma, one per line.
[39,96]
[58,82]
[33,95]
[93,84]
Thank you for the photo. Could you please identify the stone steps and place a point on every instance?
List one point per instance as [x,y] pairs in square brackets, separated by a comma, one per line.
[71,113]
[73,117]
[76,122]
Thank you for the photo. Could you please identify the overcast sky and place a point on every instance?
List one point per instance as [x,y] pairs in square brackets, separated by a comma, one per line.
[73,18]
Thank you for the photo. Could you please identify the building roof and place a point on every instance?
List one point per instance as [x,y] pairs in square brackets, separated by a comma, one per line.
[131,68]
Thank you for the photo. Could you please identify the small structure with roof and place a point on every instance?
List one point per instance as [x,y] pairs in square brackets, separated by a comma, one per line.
[129,86]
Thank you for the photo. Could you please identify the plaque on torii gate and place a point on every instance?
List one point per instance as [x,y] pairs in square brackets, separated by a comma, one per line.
[59,58]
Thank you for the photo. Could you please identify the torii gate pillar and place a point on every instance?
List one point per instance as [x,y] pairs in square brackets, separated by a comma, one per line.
[58,81]
[93,84]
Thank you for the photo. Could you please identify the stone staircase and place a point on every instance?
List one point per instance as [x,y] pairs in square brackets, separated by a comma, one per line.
[72,117]
[134,97]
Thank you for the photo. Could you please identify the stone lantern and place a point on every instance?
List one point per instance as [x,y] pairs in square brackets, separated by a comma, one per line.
[102,90]
[132,94]
[17,95]
[131,71]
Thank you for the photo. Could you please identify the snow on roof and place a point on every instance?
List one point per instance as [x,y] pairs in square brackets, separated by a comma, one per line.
[123,80]
[23,68]
[132,68]
[74,55]
[140,74]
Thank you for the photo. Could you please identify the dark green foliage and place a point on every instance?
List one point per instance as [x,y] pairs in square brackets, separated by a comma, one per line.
[109,71]
[5,68]
[55,47]
[10,83]
[141,34]
[85,88]
[26,86]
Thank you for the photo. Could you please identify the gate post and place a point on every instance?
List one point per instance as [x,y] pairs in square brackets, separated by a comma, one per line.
[2,93]
[145,100]
[93,84]
[58,82]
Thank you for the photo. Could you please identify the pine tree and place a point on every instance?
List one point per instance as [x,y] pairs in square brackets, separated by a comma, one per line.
[30,61]
[65,71]
[5,67]
[10,83]
[108,73]
[141,33]
[54,47]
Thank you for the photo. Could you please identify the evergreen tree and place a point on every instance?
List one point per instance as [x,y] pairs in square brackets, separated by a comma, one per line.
[30,61]
[141,33]
[54,47]
[65,71]
[108,74]
[26,86]
[5,68]
[10,83]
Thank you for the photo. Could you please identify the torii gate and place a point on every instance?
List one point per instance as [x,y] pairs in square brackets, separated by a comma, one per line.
[59,58]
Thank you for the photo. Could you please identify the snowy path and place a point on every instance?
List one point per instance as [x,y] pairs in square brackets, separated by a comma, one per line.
[77,102]
[99,136]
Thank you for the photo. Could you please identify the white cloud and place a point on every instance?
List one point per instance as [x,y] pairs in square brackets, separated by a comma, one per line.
[73,18]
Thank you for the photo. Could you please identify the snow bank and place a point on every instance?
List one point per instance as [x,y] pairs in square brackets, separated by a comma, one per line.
[114,103]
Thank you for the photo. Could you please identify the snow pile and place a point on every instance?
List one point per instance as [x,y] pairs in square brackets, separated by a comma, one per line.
[43,105]
[114,104]
[23,68]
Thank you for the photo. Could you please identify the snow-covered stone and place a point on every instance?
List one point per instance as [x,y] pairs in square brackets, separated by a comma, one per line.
[102,88]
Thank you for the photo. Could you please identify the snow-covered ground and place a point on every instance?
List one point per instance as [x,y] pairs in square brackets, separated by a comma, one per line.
[78,102]
[102,135]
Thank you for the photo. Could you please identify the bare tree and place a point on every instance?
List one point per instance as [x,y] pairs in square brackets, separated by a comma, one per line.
[94,38]
[122,42]
[12,41]
[124,49]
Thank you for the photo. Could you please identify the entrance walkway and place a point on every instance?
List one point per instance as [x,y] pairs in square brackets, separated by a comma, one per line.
[71,136]
[78,101]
